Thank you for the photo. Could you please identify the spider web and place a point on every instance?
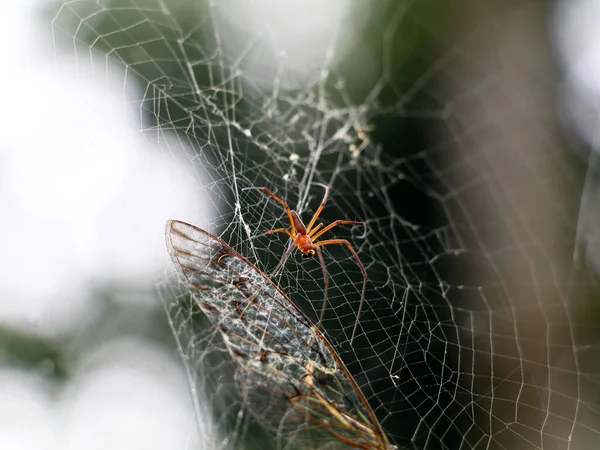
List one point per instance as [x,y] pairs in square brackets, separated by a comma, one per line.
[477,330]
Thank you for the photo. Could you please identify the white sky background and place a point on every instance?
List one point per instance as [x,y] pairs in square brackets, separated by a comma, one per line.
[84,198]
[577,39]
[290,44]
[578,42]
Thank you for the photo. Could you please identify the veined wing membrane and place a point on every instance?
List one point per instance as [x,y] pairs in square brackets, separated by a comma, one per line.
[289,375]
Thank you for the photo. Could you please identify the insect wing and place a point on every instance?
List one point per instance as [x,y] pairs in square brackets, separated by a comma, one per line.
[250,310]
[289,375]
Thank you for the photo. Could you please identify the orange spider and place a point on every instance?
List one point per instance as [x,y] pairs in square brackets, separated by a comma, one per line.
[304,237]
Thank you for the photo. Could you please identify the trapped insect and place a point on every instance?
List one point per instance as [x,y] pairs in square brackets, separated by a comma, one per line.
[304,239]
[290,377]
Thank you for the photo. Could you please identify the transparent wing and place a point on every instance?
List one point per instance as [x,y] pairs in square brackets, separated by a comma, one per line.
[289,375]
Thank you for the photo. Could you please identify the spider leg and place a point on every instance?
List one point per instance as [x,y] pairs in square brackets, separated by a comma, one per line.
[278,230]
[285,256]
[281,202]
[321,206]
[325,281]
[362,269]
[333,225]
[315,229]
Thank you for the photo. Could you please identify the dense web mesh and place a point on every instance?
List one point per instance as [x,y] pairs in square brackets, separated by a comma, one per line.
[477,330]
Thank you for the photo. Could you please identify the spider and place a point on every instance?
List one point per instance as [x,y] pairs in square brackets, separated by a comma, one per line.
[304,238]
